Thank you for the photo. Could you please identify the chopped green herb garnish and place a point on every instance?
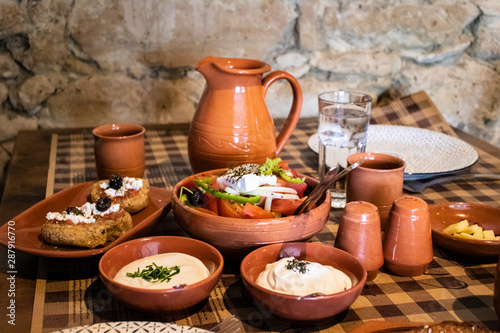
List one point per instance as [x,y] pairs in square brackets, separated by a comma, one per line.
[156,273]
[297,265]
[271,166]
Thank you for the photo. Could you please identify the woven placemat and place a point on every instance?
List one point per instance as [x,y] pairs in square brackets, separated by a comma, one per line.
[69,292]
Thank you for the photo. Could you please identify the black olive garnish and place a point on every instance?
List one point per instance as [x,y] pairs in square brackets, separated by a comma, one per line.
[195,196]
[73,210]
[115,182]
[103,203]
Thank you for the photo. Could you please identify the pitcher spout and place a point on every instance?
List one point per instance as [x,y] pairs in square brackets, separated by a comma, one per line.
[231,66]
[204,65]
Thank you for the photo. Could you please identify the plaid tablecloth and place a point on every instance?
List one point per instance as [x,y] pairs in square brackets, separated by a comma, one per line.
[69,292]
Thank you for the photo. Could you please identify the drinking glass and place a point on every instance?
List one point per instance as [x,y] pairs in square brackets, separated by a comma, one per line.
[343,126]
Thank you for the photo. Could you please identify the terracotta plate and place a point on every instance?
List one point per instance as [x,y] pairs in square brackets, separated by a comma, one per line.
[444,214]
[27,225]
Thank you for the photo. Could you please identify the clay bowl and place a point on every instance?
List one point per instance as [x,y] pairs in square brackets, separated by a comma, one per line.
[307,308]
[161,299]
[447,213]
[235,236]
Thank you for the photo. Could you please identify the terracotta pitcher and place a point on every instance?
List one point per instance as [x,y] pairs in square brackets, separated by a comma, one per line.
[231,125]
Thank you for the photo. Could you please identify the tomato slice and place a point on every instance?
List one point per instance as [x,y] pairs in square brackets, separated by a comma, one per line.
[255,212]
[211,203]
[283,165]
[285,206]
[214,184]
[300,188]
[229,208]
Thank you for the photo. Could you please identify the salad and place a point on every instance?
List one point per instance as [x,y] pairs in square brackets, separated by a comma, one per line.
[250,191]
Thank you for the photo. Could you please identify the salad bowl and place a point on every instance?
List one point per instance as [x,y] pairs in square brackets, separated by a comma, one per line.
[239,236]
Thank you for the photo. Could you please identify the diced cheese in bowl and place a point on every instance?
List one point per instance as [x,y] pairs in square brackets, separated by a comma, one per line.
[465,229]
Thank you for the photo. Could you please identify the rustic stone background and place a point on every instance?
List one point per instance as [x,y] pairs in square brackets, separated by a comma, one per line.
[75,63]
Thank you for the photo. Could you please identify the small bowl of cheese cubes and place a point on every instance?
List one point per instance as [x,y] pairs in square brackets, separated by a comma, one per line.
[471,229]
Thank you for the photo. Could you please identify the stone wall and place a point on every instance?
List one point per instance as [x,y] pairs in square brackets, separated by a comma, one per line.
[79,63]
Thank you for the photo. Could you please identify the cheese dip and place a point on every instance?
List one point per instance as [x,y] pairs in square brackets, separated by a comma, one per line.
[192,270]
[301,278]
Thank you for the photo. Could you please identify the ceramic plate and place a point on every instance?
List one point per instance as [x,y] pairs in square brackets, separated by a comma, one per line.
[28,224]
[385,326]
[133,327]
[426,153]
[444,214]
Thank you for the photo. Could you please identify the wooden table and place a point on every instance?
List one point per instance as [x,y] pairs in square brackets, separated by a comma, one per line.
[30,180]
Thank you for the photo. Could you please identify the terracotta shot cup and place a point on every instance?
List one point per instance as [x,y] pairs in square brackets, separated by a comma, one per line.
[359,234]
[119,148]
[407,243]
[379,180]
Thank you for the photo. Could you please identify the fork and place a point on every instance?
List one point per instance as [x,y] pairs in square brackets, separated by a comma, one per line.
[331,177]
[229,325]
[420,185]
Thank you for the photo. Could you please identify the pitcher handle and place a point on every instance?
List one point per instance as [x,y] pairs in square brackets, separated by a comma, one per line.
[294,115]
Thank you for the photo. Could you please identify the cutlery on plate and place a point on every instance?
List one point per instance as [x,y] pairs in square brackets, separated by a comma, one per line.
[416,186]
[331,177]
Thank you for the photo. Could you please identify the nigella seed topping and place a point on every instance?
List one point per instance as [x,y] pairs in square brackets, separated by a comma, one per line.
[73,210]
[297,265]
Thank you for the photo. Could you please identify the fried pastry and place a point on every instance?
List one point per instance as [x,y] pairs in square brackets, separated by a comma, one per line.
[86,226]
[131,193]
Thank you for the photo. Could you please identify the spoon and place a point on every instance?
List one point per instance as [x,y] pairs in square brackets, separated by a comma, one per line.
[331,177]
[313,295]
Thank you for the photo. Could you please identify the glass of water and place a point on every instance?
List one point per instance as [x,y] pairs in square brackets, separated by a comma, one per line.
[343,127]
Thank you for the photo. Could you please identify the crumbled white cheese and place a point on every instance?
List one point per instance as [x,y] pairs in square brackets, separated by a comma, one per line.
[244,178]
[89,210]
[128,183]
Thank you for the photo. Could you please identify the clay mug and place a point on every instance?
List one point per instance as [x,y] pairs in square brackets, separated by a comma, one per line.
[231,125]
[359,234]
[379,180]
[119,148]
[407,243]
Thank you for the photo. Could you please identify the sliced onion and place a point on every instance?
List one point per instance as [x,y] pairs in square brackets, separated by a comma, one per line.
[279,195]
[271,189]
[267,205]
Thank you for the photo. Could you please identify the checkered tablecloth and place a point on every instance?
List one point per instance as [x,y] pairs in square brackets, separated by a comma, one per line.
[69,292]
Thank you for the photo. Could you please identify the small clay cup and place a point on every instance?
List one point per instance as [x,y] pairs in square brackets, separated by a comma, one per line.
[407,243]
[119,148]
[379,180]
[359,234]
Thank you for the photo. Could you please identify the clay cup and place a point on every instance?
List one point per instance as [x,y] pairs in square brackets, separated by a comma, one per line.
[407,243]
[119,148]
[379,180]
[359,234]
